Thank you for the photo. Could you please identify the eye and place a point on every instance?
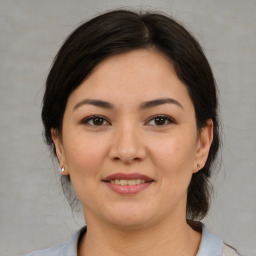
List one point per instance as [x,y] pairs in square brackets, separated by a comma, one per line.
[160,120]
[95,121]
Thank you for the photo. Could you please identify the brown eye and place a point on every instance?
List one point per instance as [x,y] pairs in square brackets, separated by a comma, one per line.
[160,120]
[95,121]
[98,121]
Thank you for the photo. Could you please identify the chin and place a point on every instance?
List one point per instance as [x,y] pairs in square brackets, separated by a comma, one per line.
[130,218]
[130,223]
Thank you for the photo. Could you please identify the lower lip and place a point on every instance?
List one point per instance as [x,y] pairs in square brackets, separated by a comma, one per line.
[128,189]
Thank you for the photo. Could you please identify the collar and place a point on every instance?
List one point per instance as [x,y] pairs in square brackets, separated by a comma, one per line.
[211,245]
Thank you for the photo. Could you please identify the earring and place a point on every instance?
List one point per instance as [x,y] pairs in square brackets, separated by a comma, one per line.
[62,169]
[198,166]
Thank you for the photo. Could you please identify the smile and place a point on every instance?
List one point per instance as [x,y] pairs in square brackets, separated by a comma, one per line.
[128,184]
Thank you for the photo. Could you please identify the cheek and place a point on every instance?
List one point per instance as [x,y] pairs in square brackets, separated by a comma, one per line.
[84,159]
[84,154]
[175,157]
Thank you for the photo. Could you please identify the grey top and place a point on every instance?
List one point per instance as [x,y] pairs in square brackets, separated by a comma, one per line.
[211,245]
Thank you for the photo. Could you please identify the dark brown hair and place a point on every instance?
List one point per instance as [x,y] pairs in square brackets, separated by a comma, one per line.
[121,31]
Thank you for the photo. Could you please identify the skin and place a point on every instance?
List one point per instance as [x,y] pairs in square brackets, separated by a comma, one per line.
[130,140]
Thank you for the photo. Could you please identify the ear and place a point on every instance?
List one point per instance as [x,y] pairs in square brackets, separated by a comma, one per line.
[59,150]
[203,145]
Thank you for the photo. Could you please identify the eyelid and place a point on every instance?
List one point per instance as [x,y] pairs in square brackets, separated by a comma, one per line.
[89,118]
[170,119]
[85,121]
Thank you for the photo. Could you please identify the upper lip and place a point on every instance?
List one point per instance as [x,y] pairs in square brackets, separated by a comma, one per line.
[127,176]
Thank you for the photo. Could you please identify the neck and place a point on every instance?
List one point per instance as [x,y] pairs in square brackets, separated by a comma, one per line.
[175,239]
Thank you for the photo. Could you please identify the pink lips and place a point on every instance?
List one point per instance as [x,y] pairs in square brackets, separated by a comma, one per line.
[128,189]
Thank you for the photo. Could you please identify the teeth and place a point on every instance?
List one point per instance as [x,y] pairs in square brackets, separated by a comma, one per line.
[131,182]
[127,182]
[123,182]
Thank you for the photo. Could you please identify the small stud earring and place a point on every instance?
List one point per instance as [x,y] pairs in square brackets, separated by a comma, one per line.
[198,166]
[62,169]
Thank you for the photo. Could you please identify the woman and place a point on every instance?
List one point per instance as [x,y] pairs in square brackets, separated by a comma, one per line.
[130,110]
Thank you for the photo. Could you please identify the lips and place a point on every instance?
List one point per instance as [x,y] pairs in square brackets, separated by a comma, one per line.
[126,184]
[127,176]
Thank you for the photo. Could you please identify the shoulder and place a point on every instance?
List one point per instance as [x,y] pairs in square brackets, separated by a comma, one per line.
[212,245]
[68,248]
[52,251]
[228,250]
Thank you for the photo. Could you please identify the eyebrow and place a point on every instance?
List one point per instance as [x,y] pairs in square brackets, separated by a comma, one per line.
[97,103]
[157,102]
[143,105]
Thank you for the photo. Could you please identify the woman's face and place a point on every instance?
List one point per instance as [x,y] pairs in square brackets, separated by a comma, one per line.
[130,142]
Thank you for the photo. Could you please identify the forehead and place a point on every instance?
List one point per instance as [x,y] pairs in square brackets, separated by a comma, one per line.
[137,75]
[137,64]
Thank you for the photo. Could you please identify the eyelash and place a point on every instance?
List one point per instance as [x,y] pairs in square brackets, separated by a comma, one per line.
[93,118]
[166,118]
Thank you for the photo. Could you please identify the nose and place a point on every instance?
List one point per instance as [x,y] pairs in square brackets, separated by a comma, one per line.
[127,145]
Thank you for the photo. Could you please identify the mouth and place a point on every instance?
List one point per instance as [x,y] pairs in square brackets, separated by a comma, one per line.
[127,184]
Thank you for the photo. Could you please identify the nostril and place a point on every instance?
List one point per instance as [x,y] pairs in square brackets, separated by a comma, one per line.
[127,152]
[128,160]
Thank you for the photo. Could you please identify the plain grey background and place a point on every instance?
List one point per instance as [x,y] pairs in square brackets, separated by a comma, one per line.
[33,211]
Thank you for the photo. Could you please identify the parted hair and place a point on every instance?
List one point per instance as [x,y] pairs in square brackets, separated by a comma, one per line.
[120,31]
